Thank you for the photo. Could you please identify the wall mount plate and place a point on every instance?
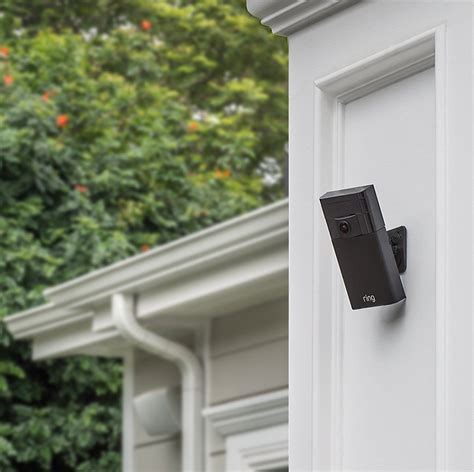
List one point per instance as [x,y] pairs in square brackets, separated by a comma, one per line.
[398,241]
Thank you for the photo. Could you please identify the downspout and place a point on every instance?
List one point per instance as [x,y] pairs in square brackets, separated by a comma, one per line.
[191,377]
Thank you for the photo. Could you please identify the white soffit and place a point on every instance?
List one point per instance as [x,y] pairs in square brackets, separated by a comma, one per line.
[284,17]
[238,263]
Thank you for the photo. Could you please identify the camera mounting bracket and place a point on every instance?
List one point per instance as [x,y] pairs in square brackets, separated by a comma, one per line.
[398,240]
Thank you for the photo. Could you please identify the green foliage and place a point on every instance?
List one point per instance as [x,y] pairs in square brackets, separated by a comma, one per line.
[123,124]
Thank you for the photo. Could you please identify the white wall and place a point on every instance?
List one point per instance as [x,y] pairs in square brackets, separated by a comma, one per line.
[247,354]
[381,93]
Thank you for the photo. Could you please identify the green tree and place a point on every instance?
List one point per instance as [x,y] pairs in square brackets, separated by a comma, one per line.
[123,124]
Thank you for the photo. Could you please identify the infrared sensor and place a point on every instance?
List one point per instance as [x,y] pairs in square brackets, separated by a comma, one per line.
[370,258]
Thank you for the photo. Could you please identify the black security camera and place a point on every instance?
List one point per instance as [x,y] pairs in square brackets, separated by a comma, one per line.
[370,258]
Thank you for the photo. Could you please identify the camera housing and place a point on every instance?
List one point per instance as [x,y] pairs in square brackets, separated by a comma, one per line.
[369,257]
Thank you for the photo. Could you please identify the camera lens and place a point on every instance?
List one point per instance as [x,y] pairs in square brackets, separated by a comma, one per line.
[344,227]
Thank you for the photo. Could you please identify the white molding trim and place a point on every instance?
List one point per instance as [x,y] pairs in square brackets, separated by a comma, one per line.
[188,280]
[284,17]
[248,414]
[332,93]
[46,318]
[381,69]
[265,449]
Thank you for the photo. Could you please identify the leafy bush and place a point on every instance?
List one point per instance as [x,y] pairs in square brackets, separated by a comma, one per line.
[123,124]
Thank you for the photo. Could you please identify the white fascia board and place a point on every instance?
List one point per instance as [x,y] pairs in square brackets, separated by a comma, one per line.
[43,318]
[257,412]
[285,17]
[186,252]
[77,338]
[238,261]
[242,283]
[242,278]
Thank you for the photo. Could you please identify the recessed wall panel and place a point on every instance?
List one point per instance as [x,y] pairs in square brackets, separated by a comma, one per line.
[387,405]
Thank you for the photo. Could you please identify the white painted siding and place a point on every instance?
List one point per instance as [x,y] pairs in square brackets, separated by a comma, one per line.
[217,462]
[162,456]
[246,355]
[249,352]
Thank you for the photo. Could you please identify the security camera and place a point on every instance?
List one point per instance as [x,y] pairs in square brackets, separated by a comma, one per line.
[370,258]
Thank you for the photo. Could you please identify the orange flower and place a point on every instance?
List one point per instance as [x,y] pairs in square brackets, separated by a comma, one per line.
[8,80]
[62,120]
[222,174]
[4,51]
[146,25]
[193,126]
[46,96]
[144,247]
[81,188]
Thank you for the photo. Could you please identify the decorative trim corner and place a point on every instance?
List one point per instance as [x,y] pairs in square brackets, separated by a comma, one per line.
[284,17]
[253,413]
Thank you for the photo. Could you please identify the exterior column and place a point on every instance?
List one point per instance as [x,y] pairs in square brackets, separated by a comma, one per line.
[381,93]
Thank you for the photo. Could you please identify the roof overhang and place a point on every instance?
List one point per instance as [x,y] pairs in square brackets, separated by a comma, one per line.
[236,264]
